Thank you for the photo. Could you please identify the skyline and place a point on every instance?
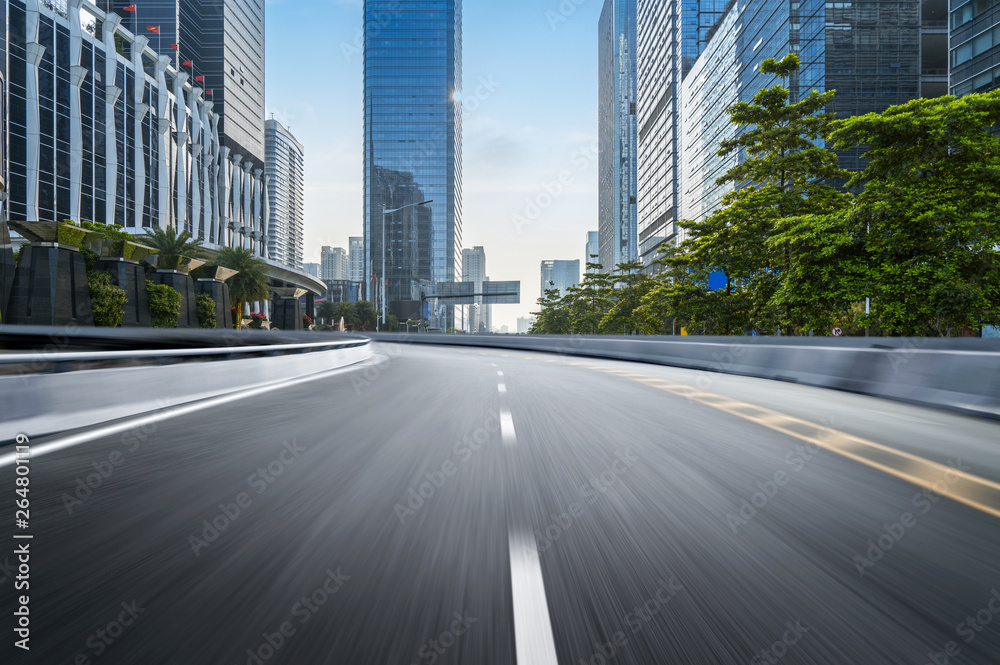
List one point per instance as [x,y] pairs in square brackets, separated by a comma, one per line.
[511,151]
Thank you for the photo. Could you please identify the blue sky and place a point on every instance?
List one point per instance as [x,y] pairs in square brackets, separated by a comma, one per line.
[530,160]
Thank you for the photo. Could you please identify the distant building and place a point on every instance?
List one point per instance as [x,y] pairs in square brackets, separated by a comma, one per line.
[285,172]
[560,275]
[593,252]
[474,270]
[333,262]
[342,290]
[313,269]
[356,259]
[413,152]
[617,137]
[524,324]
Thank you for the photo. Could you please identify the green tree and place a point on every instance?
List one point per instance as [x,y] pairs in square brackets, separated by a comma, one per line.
[164,304]
[326,311]
[249,284]
[106,299]
[365,315]
[927,216]
[781,179]
[172,246]
[205,306]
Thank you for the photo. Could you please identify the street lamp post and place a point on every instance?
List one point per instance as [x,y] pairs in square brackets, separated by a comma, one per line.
[382,286]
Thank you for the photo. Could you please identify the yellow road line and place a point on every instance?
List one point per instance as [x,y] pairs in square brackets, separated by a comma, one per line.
[953,483]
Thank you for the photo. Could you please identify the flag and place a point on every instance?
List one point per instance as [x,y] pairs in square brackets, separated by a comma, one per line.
[199,78]
[208,92]
[130,8]
[187,63]
[173,46]
[153,28]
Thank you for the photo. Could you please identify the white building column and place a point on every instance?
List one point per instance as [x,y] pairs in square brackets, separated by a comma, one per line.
[77,75]
[207,155]
[164,206]
[197,230]
[258,233]
[35,51]
[248,203]
[222,200]
[215,173]
[138,152]
[111,94]
[180,218]
[265,219]
[237,183]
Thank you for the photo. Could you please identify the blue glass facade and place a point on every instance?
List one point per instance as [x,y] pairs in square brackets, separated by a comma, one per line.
[875,54]
[617,140]
[670,35]
[413,150]
[975,46]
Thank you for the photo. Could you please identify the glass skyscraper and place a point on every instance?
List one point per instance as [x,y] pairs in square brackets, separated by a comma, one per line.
[670,34]
[616,55]
[413,152]
[873,54]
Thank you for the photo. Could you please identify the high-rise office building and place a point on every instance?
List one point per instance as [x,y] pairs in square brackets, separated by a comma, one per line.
[333,264]
[617,141]
[669,36]
[479,317]
[874,55]
[560,275]
[975,46]
[285,171]
[314,269]
[413,152]
[593,251]
[224,42]
[524,324]
[105,129]
[356,258]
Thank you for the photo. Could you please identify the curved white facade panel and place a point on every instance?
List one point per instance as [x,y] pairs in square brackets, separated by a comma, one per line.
[144,142]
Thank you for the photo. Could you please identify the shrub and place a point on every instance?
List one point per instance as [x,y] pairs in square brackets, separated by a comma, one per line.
[106,299]
[164,304]
[206,311]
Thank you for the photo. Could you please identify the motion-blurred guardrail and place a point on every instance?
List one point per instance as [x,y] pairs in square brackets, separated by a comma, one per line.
[955,374]
[56,379]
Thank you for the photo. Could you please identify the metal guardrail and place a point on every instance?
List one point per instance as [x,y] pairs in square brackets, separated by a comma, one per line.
[956,374]
[54,380]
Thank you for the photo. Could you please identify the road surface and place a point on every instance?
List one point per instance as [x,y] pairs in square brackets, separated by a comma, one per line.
[484,506]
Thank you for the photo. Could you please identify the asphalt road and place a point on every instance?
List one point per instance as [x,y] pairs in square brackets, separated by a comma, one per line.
[477,506]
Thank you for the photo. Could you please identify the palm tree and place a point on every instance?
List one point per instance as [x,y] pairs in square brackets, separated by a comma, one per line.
[250,283]
[326,310]
[172,245]
[345,311]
